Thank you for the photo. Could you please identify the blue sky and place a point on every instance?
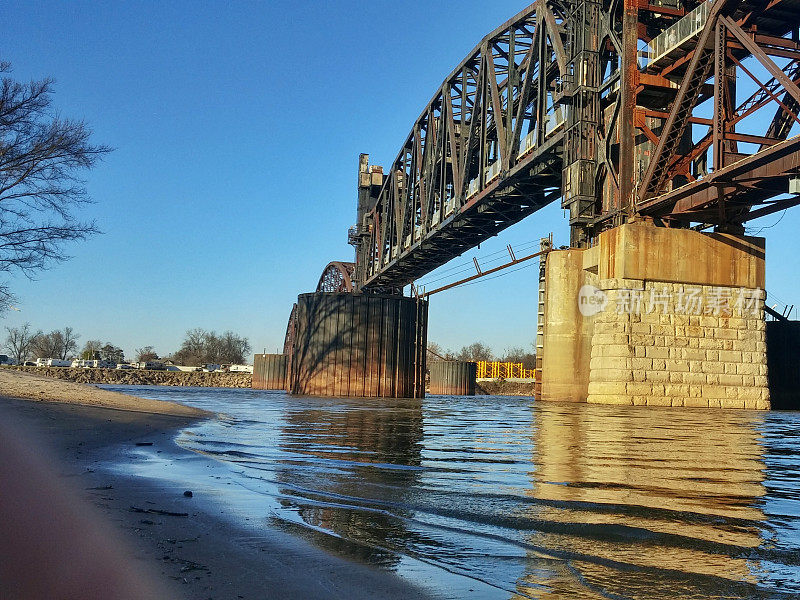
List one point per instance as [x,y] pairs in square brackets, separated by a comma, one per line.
[237,129]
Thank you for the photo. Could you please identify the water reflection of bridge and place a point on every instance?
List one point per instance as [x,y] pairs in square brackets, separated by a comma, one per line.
[357,457]
[574,501]
[646,504]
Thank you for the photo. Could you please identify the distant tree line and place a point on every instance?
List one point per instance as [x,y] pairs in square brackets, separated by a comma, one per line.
[479,351]
[200,347]
[24,343]
[97,350]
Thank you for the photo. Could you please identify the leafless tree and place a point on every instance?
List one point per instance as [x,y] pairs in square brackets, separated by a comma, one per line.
[233,348]
[204,347]
[56,344]
[47,345]
[475,352]
[112,353]
[70,342]
[194,349]
[520,355]
[146,354]
[19,341]
[436,352]
[42,157]
[91,349]
[6,298]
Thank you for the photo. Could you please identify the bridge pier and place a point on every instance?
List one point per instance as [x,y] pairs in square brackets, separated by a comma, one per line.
[358,345]
[269,372]
[659,317]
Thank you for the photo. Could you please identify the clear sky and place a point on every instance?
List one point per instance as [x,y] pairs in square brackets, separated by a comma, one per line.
[237,129]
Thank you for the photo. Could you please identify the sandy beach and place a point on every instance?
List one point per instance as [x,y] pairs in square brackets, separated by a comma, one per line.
[183,546]
[16,384]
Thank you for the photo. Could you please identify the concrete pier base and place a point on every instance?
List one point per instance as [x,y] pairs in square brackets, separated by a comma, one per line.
[657,317]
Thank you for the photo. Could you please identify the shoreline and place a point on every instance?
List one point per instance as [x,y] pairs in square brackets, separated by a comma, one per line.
[37,388]
[112,377]
[138,377]
[200,555]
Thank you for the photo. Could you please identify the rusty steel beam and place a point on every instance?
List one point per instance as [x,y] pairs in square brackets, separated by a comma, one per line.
[697,74]
[557,104]
[732,35]
[771,166]
[484,153]
[511,263]
[629,82]
[337,277]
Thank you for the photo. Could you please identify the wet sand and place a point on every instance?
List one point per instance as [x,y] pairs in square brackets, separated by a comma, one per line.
[177,540]
[16,384]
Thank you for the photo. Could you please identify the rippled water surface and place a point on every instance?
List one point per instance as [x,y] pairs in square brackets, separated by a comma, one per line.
[493,497]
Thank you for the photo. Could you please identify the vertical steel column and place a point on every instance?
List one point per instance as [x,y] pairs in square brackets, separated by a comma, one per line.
[719,97]
[582,96]
[545,244]
[630,80]
[370,181]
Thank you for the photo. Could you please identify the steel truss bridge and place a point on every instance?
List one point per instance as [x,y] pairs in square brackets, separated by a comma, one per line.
[678,111]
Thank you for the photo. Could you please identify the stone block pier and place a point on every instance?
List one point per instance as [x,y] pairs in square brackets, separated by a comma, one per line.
[657,317]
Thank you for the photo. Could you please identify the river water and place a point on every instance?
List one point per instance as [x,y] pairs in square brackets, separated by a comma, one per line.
[495,497]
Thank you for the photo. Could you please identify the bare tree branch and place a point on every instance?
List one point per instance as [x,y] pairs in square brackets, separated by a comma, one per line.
[202,347]
[42,158]
[19,342]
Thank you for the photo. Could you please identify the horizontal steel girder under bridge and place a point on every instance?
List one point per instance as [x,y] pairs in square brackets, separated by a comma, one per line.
[562,102]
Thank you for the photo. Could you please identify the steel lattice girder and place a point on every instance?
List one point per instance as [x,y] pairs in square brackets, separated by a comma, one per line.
[484,154]
[555,103]
[336,277]
[731,192]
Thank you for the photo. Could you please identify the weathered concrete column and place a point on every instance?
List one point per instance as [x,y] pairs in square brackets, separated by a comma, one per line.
[665,317]
[567,335]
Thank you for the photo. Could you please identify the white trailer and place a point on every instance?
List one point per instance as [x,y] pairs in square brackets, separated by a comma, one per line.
[53,362]
[151,366]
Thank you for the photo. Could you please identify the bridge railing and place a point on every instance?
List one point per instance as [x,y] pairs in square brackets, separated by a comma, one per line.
[503,370]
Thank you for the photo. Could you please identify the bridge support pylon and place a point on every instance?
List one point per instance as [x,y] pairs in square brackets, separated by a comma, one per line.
[658,317]
[347,344]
